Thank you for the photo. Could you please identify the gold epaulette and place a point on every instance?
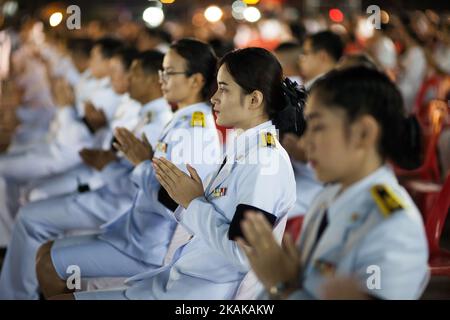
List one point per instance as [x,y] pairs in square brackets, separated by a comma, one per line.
[198,119]
[386,200]
[267,140]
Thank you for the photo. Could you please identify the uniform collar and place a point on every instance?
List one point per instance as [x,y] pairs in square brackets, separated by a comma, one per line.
[236,150]
[87,75]
[241,143]
[187,111]
[346,210]
[103,82]
[123,98]
[183,114]
[355,193]
[303,169]
[155,105]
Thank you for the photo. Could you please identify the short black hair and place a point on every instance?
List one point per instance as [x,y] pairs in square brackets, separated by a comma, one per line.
[328,41]
[151,61]
[287,46]
[298,30]
[108,46]
[158,33]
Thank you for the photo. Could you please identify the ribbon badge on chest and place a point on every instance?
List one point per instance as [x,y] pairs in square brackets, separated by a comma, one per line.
[161,147]
[219,192]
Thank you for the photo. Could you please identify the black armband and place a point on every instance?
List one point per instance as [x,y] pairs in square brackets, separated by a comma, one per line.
[83,188]
[166,200]
[235,225]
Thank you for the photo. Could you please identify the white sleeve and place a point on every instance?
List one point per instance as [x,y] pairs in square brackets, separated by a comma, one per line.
[181,153]
[202,218]
[396,251]
[117,175]
[142,176]
[106,100]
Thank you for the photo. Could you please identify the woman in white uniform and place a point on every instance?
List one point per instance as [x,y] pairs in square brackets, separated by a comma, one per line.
[255,100]
[363,232]
[138,239]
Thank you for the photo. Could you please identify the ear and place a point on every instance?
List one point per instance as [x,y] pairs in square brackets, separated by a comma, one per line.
[323,55]
[366,131]
[197,81]
[153,78]
[256,99]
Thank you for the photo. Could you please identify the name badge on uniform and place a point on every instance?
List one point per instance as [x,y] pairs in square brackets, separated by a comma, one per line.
[219,192]
[161,147]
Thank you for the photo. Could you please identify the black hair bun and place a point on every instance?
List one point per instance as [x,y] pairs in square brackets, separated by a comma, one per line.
[294,97]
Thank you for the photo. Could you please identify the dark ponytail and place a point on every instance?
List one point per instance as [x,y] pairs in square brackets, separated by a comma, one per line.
[258,69]
[291,118]
[360,90]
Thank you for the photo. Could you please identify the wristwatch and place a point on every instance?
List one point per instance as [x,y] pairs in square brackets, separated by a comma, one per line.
[276,291]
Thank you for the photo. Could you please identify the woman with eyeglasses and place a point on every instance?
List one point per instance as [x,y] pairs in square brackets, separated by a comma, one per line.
[255,173]
[138,240]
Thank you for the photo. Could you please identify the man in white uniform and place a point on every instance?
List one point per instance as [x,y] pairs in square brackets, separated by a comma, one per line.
[44,220]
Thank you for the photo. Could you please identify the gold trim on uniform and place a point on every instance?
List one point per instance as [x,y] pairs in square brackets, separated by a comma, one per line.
[268,139]
[386,200]
[198,119]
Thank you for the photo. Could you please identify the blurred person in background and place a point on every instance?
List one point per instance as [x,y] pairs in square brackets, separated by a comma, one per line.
[320,54]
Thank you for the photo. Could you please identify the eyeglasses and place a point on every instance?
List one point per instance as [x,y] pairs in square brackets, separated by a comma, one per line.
[164,74]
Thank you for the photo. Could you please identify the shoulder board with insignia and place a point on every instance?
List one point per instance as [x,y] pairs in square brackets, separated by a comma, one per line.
[386,200]
[219,192]
[198,119]
[268,140]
